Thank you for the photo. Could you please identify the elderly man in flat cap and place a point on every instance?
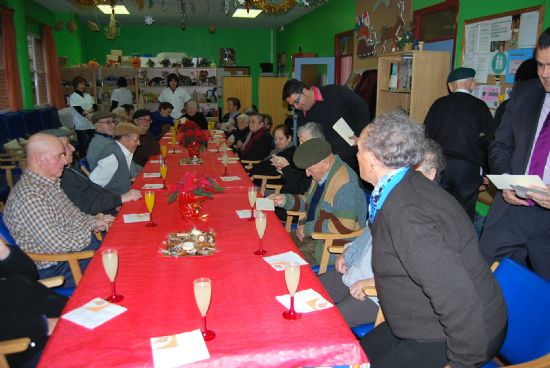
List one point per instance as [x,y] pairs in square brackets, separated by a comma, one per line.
[463,125]
[149,145]
[104,123]
[89,197]
[39,215]
[114,168]
[334,203]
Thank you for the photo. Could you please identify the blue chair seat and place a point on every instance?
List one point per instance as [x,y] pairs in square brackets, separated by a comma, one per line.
[315,268]
[362,330]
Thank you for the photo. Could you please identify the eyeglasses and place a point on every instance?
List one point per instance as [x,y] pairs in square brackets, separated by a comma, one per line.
[135,139]
[296,101]
[108,122]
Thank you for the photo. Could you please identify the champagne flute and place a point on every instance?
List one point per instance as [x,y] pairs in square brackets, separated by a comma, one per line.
[163,173]
[261,222]
[176,125]
[292,278]
[110,264]
[150,203]
[252,193]
[174,140]
[203,293]
[225,159]
[163,151]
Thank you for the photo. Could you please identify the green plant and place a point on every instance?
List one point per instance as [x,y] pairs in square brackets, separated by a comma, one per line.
[404,37]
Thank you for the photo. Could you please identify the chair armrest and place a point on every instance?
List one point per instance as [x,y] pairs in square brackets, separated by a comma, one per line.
[53,281]
[324,236]
[264,179]
[14,345]
[370,291]
[72,258]
[328,239]
[249,164]
[276,187]
[290,215]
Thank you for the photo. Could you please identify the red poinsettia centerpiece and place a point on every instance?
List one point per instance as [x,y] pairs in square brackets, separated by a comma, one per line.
[197,186]
[193,135]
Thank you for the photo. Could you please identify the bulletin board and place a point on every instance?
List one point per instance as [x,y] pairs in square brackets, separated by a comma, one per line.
[496,45]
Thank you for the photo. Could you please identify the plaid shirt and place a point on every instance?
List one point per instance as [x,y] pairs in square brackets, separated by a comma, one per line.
[42,219]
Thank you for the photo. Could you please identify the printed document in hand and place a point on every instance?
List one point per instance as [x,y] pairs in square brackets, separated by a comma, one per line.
[519,183]
[344,130]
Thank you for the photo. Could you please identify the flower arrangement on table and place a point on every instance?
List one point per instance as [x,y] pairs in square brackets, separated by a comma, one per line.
[193,138]
[191,191]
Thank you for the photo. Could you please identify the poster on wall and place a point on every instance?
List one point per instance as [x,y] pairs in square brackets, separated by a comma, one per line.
[528,29]
[515,58]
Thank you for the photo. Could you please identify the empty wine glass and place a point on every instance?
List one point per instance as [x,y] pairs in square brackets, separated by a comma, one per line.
[110,264]
[252,193]
[292,278]
[261,222]
[203,293]
[150,203]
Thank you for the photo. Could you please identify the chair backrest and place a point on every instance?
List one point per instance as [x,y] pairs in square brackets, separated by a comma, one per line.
[527,297]
[31,121]
[15,127]
[49,118]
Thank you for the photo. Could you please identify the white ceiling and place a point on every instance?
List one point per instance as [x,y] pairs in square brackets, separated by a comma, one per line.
[199,13]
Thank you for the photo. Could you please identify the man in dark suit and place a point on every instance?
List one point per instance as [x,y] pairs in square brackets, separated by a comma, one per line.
[463,125]
[520,227]
[325,105]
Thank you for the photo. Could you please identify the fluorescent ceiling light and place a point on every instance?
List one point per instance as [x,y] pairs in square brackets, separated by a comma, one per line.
[243,13]
[119,9]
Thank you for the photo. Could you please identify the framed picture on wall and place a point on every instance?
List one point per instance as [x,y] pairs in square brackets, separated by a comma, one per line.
[227,57]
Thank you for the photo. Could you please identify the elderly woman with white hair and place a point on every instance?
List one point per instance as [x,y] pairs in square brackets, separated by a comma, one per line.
[442,305]
[237,137]
[192,113]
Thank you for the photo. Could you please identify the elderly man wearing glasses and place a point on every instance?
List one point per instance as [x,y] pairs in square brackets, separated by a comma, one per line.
[326,105]
[113,170]
[104,125]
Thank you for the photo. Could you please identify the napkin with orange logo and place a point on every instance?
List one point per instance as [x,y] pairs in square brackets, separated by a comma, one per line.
[280,261]
[176,350]
[94,313]
[305,301]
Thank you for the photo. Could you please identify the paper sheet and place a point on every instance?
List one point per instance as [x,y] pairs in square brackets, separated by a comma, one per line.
[305,301]
[280,261]
[153,186]
[176,350]
[506,181]
[264,204]
[151,175]
[130,218]
[94,313]
[230,178]
[243,214]
[344,130]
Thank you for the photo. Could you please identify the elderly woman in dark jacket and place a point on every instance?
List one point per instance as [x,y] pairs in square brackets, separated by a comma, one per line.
[259,141]
[284,148]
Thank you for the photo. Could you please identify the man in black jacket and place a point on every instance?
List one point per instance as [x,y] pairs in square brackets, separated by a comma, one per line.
[463,125]
[89,197]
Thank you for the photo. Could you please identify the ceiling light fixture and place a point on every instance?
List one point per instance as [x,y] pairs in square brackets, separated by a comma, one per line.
[119,9]
[246,13]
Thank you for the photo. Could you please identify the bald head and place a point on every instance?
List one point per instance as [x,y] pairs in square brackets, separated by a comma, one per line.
[46,155]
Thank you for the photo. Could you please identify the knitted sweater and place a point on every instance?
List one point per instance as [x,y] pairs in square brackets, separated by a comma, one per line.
[342,207]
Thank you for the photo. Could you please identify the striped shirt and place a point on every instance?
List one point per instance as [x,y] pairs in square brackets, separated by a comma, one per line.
[42,219]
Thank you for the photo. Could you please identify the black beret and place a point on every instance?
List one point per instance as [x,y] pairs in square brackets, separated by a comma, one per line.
[461,73]
[141,113]
[310,152]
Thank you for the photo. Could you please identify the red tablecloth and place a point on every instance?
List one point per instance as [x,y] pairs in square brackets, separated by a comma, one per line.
[158,292]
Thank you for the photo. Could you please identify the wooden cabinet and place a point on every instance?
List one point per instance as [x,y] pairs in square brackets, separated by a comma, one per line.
[428,81]
[240,87]
[270,91]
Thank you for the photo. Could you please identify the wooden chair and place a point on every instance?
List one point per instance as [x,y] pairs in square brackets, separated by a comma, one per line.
[21,344]
[249,164]
[329,248]
[264,179]
[72,258]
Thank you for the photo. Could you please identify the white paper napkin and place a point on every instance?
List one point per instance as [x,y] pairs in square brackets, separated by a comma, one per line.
[135,217]
[152,186]
[178,150]
[176,350]
[264,204]
[230,178]
[243,213]
[305,301]
[230,160]
[212,150]
[156,161]
[280,261]
[151,175]
[94,313]
[168,136]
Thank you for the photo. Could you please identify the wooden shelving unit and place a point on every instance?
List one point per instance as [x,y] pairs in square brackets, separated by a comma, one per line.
[428,82]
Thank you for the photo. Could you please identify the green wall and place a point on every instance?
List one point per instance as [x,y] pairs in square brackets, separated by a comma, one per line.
[70,45]
[315,31]
[252,45]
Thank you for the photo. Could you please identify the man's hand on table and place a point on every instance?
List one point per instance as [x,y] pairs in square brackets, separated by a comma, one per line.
[278,199]
[102,222]
[132,195]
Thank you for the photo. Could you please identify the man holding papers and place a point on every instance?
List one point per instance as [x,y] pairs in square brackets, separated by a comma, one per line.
[326,105]
[520,227]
